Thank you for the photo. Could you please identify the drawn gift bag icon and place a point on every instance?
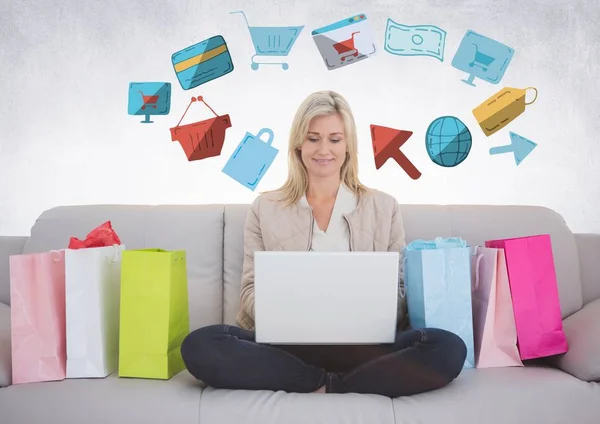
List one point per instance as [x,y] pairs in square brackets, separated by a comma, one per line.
[203,139]
[251,159]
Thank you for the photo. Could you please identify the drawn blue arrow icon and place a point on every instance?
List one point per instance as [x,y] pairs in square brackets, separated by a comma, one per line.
[519,145]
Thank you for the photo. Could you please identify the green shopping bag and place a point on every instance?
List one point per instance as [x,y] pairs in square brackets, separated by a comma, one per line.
[154,315]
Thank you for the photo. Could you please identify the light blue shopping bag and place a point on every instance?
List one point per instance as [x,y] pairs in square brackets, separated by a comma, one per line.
[251,159]
[437,279]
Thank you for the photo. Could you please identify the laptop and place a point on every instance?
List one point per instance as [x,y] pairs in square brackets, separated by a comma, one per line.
[325,298]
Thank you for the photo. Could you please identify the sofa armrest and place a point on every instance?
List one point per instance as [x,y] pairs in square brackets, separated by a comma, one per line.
[583,335]
[5,350]
[588,246]
[9,245]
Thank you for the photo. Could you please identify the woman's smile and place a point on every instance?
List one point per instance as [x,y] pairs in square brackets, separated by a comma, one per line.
[323,162]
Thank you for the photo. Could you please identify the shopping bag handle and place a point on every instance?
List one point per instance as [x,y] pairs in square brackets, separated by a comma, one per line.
[200,99]
[266,131]
[117,253]
[477,263]
[59,255]
[403,284]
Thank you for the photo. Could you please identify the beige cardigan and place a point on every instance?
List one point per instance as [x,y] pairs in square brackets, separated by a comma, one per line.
[375,225]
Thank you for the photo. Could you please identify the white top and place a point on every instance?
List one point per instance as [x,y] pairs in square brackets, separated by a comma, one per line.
[337,236]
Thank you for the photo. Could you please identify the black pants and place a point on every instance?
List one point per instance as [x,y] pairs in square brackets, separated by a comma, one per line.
[227,357]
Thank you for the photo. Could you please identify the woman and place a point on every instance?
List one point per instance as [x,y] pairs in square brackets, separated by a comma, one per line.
[322,206]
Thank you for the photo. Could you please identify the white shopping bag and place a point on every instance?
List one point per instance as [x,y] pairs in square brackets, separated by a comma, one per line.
[92,289]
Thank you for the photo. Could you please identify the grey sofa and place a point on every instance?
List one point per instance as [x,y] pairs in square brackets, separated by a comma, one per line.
[561,390]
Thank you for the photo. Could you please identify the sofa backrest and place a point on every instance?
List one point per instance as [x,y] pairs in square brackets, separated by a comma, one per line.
[212,236]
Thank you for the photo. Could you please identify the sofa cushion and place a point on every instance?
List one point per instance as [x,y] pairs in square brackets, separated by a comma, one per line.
[5,352]
[268,407]
[588,246]
[106,400]
[583,335]
[233,257]
[504,395]
[196,229]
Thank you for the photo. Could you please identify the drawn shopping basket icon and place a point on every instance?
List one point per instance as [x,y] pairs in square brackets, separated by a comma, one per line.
[272,41]
[202,139]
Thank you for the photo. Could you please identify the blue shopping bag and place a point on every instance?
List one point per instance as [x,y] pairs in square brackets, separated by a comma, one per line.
[437,280]
[202,62]
[251,159]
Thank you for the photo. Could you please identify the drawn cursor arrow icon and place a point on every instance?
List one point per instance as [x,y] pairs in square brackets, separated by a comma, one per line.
[386,145]
[519,146]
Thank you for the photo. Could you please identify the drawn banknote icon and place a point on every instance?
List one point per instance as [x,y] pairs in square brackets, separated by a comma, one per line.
[416,40]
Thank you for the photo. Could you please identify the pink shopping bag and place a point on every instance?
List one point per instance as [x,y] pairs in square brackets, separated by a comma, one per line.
[494,325]
[534,291]
[38,337]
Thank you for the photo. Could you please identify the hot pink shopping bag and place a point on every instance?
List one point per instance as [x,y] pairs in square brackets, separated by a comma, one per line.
[534,291]
[37,296]
[494,325]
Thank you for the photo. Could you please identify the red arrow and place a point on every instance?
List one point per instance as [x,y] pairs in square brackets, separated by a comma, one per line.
[386,145]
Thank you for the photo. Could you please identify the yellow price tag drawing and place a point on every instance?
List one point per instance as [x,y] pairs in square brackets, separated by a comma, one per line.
[502,108]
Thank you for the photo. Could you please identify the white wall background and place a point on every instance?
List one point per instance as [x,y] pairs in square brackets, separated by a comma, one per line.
[66,137]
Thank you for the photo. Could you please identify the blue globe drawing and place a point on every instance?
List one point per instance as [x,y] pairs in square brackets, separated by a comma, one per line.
[448,141]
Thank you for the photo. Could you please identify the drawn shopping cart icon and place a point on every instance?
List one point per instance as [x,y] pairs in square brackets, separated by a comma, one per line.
[488,61]
[346,46]
[272,41]
[481,60]
[149,101]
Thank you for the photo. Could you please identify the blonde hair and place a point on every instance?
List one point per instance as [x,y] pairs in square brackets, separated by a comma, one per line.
[320,103]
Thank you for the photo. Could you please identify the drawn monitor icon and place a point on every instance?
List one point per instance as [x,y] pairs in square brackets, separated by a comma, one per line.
[482,57]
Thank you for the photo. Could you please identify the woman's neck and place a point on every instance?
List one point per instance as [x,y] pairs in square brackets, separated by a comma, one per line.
[322,189]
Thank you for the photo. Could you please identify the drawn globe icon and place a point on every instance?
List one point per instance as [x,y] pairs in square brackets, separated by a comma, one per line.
[448,141]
